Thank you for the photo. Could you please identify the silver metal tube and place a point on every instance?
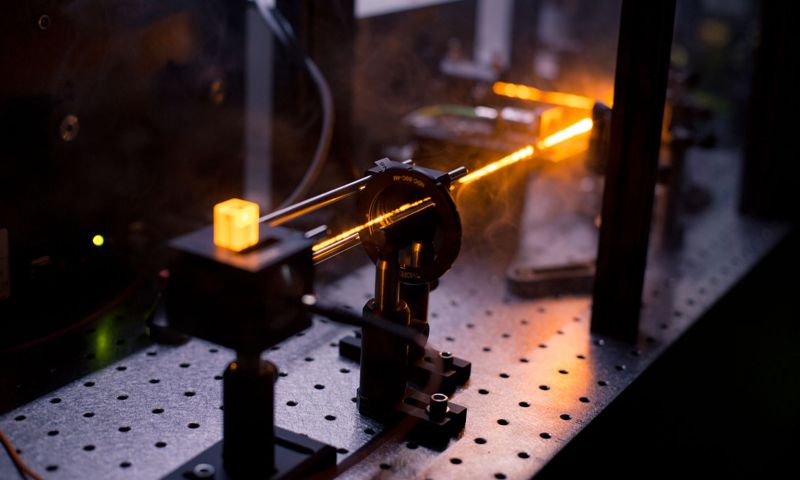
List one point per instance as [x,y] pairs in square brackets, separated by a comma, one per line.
[387,286]
[457,173]
[315,203]
[316,232]
[353,240]
[416,254]
[336,248]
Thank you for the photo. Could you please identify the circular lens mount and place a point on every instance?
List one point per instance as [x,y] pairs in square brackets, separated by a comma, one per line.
[436,228]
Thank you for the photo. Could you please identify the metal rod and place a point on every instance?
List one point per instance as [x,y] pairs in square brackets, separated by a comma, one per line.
[334,195]
[353,240]
[342,315]
[315,203]
[336,248]
[640,88]
[387,285]
[457,173]
[316,232]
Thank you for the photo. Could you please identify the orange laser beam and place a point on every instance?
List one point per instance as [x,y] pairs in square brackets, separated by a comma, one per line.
[525,153]
[521,154]
[525,92]
[562,136]
[379,219]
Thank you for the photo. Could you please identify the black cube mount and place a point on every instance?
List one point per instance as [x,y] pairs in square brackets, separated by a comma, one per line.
[247,301]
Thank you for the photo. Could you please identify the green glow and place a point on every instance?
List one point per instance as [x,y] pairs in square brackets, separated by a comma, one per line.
[102,342]
[98,240]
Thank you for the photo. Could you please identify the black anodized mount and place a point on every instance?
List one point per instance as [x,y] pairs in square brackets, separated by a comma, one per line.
[247,301]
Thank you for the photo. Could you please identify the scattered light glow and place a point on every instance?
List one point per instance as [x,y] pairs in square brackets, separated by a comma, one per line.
[103,345]
[236,224]
[561,136]
[379,219]
[524,92]
[525,153]
[98,240]
[521,154]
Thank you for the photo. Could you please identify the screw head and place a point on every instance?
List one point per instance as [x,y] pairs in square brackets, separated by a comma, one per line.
[439,398]
[204,470]
[438,407]
[69,128]
[447,360]
[216,91]
[43,23]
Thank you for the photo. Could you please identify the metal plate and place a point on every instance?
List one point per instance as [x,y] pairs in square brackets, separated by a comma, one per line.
[538,375]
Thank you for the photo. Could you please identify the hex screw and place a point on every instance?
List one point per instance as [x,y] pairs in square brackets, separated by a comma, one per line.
[438,407]
[447,360]
[43,23]
[204,470]
[69,128]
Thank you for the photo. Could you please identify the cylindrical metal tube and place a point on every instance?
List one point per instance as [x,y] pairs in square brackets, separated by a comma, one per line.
[417,254]
[447,360]
[387,285]
[457,173]
[248,418]
[336,248]
[314,203]
[384,363]
[416,294]
[353,240]
[438,407]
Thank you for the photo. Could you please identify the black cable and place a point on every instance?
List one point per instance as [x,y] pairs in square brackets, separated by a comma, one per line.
[343,315]
[284,33]
[340,314]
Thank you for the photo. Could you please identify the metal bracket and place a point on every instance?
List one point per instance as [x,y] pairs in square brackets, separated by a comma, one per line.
[424,372]
[296,456]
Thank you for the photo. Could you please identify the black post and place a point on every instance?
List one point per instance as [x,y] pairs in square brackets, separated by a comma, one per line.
[326,29]
[643,57]
[771,174]
[384,356]
[248,429]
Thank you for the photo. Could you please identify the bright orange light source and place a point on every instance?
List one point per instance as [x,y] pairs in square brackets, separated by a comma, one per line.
[524,92]
[235,224]
[561,136]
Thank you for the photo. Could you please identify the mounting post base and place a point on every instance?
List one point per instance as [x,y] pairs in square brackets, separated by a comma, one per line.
[425,374]
[428,425]
[296,456]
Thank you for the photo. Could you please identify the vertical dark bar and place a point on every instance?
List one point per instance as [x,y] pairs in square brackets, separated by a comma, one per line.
[771,175]
[643,56]
[326,29]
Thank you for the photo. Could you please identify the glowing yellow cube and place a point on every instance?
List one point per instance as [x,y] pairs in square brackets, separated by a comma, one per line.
[236,224]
